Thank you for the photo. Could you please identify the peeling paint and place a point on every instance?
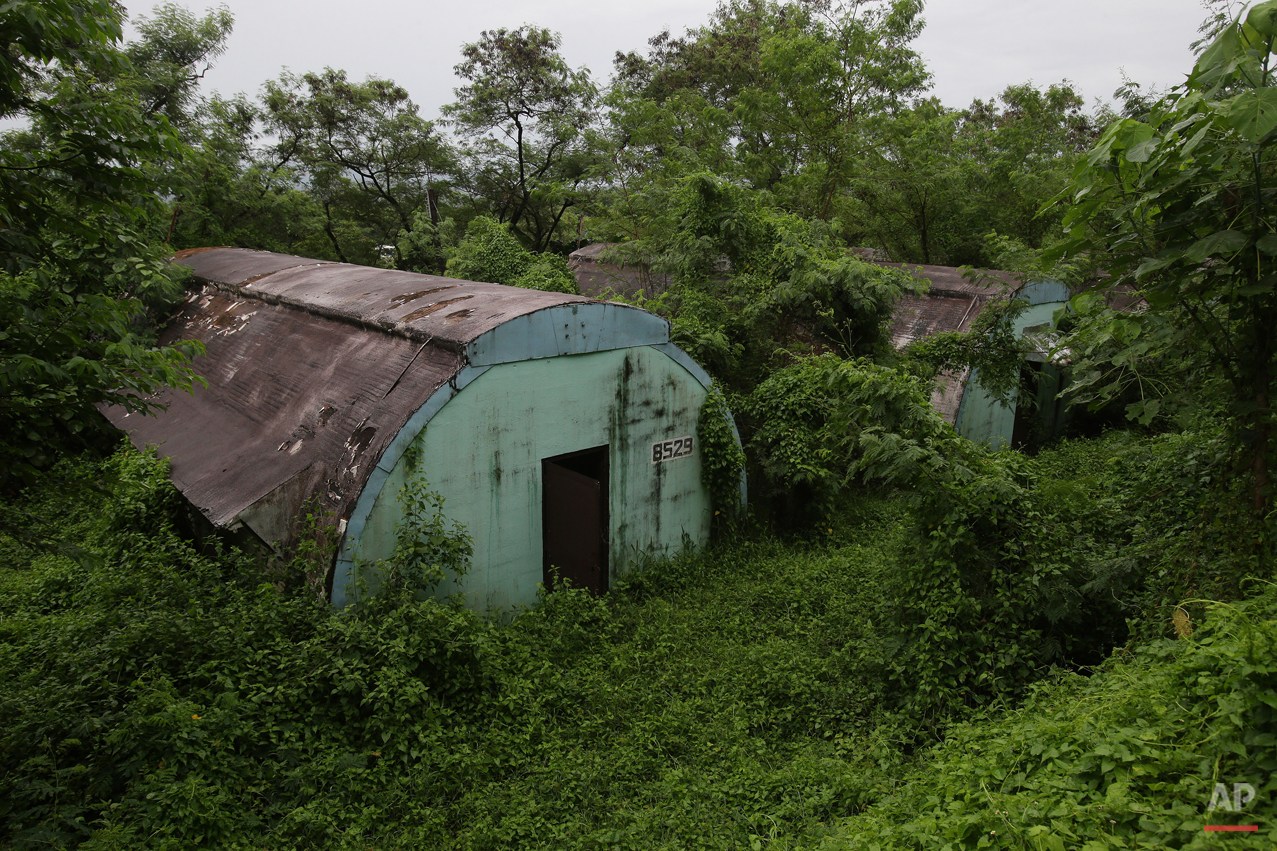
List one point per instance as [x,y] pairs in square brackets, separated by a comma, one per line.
[401,300]
[423,312]
[227,324]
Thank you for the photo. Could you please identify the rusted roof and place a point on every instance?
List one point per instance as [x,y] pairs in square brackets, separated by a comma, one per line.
[314,367]
[445,311]
[951,303]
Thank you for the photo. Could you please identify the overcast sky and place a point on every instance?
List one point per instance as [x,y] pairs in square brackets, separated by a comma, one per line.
[974,48]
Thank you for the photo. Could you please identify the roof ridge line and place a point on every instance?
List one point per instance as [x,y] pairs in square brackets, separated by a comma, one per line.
[394,329]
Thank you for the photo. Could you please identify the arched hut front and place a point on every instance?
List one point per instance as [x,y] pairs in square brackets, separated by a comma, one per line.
[559,430]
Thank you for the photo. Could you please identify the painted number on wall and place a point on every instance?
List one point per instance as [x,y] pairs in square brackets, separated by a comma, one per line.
[668,450]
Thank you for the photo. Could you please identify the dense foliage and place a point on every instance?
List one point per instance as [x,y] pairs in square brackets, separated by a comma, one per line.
[1180,205]
[1143,753]
[489,252]
[905,640]
[157,695]
[80,200]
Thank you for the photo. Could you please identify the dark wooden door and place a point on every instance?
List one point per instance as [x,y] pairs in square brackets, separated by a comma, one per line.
[574,520]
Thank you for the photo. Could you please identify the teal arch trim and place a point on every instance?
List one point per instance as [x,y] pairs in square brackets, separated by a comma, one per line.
[1045,291]
[568,329]
[344,569]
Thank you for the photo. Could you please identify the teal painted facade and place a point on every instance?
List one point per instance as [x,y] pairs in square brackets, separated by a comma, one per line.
[480,442]
[982,417]
[330,386]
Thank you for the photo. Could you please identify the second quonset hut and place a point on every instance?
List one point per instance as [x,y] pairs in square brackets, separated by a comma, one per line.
[559,430]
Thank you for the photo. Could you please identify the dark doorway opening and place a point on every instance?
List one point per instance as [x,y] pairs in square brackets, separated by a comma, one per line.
[574,519]
[1040,413]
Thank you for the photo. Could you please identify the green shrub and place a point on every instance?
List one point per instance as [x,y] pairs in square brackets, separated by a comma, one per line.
[547,272]
[1126,758]
[722,459]
[490,252]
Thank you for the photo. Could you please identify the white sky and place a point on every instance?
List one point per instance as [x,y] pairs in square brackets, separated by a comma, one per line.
[974,48]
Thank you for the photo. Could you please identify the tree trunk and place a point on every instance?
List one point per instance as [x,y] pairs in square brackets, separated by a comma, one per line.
[332,235]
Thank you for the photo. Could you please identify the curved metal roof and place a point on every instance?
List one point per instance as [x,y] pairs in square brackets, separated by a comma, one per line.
[313,368]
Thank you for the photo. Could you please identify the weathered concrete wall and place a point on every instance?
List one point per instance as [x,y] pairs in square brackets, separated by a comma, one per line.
[482,452]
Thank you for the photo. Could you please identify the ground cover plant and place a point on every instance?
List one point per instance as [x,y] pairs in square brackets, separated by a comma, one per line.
[1134,756]
[159,696]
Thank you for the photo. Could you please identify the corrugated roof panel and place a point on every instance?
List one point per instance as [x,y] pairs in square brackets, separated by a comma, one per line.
[446,311]
[295,401]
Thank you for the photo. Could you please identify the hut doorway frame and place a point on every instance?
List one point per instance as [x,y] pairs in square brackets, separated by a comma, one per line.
[575,519]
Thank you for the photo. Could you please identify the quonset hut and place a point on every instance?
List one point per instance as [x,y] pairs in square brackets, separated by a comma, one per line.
[953,303]
[559,430]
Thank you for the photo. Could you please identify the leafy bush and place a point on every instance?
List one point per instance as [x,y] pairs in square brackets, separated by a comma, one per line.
[722,459]
[752,283]
[490,252]
[1019,564]
[811,424]
[991,346]
[1127,758]
[548,272]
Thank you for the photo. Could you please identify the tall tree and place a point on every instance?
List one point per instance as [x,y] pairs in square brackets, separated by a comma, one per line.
[81,217]
[910,193]
[1183,207]
[525,113]
[230,190]
[797,81]
[1022,149]
[173,53]
[364,152]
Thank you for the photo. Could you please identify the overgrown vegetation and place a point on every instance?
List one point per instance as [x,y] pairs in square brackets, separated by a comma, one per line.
[757,694]
[906,641]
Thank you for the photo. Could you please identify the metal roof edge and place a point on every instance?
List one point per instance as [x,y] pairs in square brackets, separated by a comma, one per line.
[575,328]
[408,332]
[343,577]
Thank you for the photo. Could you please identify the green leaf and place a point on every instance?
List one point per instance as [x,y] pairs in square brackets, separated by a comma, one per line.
[1195,140]
[1252,114]
[1219,60]
[1263,18]
[1143,150]
[1221,242]
[1153,264]
[1268,244]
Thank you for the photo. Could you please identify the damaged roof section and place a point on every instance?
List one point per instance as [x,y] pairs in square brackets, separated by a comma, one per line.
[313,368]
[443,311]
[951,302]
